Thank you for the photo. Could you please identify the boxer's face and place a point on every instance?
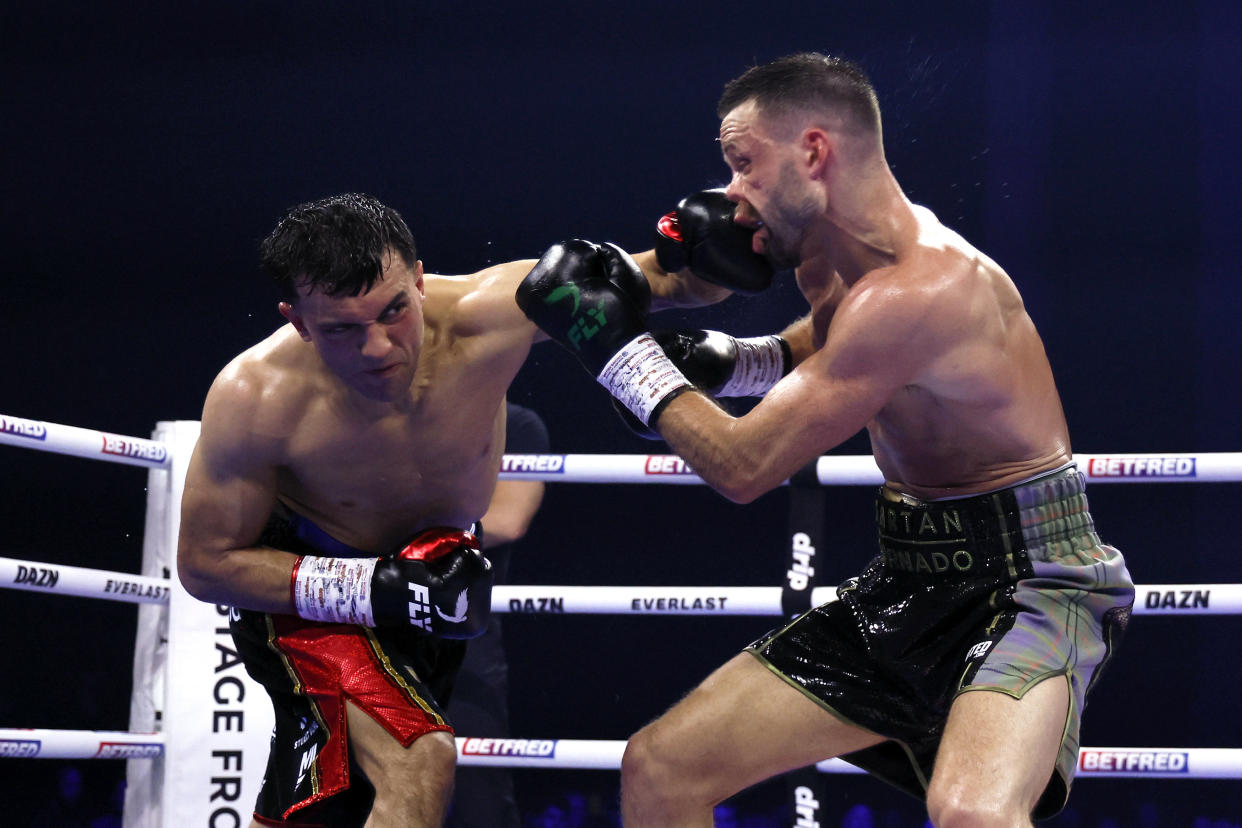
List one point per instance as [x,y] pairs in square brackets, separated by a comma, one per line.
[371,341]
[771,193]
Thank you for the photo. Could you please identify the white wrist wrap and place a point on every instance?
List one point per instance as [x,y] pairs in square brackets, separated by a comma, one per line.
[334,589]
[640,375]
[760,365]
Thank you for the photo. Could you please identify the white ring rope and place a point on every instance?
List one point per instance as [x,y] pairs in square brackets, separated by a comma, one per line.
[82,442]
[834,470]
[594,754]
[39,743]
[1173,599]
[59,579]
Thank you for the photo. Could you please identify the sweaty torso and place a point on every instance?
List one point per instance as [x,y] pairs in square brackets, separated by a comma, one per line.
[373,477]
[979,409]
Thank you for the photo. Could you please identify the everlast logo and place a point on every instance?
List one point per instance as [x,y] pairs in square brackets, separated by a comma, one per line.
[1179,599]
[159,593]
[37,577]
[674,604]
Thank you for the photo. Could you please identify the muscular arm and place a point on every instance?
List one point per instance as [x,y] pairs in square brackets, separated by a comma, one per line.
[229,493]
[512,508]
[677,290]
[872,350]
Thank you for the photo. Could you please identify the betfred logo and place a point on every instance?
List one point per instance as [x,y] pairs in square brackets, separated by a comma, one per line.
[1134,761]
[129,750]
[1141,467]
[666,464]
[550,463]
[535,748]
[144,450]
[19,748]
[23,428]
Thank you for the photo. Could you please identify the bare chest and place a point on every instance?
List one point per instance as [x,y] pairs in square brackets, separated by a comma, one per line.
[374,483]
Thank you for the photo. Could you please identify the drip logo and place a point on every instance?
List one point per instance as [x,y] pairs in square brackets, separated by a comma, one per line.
[806,807]
[801,572]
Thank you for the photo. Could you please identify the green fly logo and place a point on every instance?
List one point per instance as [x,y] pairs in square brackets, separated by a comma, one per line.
[560,293]
[582,326]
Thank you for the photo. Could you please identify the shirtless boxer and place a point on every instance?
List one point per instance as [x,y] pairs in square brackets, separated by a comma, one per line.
[957,664]
[340,459]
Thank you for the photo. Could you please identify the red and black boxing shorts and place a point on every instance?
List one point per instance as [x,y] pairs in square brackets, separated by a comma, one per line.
[400,677]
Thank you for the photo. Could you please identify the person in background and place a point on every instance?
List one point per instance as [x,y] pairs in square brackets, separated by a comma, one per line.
[484,797]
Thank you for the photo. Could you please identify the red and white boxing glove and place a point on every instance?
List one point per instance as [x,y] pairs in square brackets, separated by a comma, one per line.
[439,582]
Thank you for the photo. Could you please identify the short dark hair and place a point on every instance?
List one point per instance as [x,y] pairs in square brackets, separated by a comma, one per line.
[808,80]
[335,245]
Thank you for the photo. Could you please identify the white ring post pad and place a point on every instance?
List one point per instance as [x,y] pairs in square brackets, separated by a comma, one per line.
[334,589]
[641,375]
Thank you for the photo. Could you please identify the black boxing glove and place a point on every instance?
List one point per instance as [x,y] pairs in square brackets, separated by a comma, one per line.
[725,366]
[701,235]
[593,300]
[720,365]
[439,582]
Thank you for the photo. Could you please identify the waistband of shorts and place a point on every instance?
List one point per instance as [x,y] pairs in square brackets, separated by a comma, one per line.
[284,520]
[991,514]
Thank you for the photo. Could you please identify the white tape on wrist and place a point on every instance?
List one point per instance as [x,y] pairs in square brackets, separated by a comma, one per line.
[760,365]
[640,375]
[334,589]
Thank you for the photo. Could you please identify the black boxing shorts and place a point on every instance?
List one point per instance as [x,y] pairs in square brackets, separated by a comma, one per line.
[399,677]
[992,592]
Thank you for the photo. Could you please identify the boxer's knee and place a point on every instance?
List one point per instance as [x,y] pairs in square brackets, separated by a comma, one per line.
[963,804]
[655,777]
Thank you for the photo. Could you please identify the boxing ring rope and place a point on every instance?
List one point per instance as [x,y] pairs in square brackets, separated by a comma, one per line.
[832,470]
[154,592]
[603,754]
[59,579]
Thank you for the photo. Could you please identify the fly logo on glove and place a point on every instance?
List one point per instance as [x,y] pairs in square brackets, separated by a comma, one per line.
[420,607]
[584,325]
[610,338]
[441,568]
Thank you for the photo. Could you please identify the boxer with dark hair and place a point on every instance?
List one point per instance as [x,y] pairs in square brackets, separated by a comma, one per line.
[341,465]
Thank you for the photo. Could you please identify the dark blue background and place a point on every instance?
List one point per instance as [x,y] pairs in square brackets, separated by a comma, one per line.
[1090,148]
